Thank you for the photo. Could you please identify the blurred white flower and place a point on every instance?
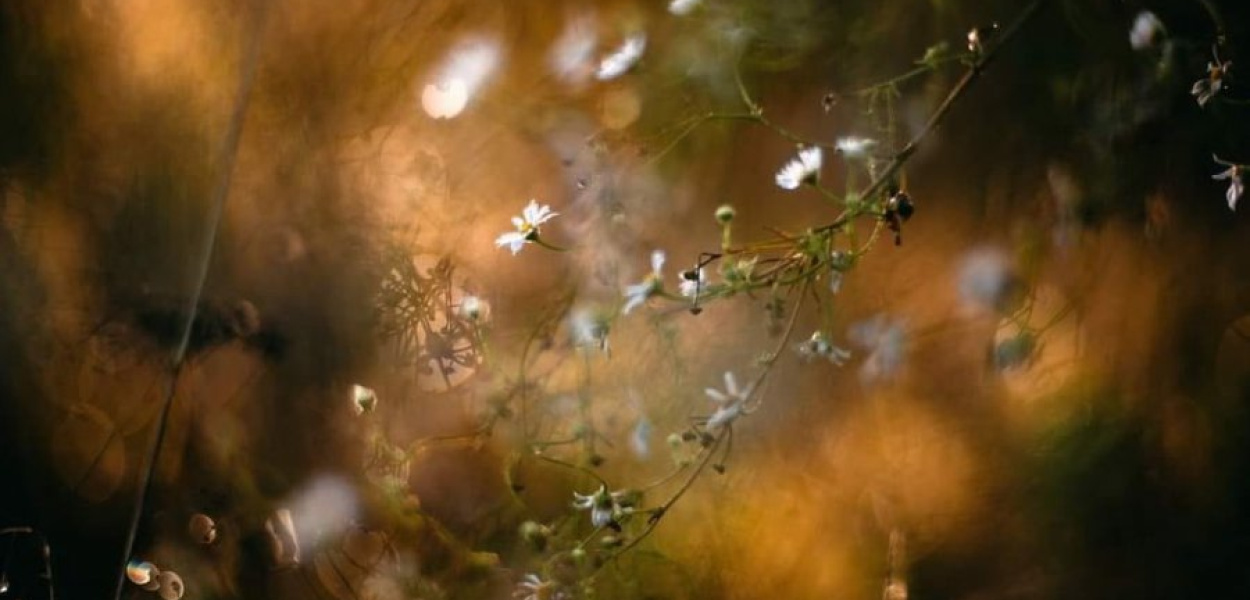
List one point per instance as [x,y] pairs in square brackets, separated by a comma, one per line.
[364,400]
[730,404]
[640,439]
[444,100]
[571,55]
[590,329]
[651,285]
[527,226]
[141,573]
[819,346]
[693,282]
[855,147]
[1146,30]
[532,587]
[885,340]
[1236,187]
[805,168]
[683,7]
[474,308]
[986,280]
[622,59]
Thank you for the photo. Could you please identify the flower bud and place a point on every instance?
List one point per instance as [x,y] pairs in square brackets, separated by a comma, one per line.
[725,214]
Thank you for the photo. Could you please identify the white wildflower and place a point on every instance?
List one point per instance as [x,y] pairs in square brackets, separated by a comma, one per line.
[683,7]
[651,285]
[1206,88]
[364,400]
[1236,187]
[855,147]
[693,283]
[622,59]
[805,168]
[533,587]
[604,507]
[731,403]
[1146,30]
[640,439]
[527,226]
[819,346]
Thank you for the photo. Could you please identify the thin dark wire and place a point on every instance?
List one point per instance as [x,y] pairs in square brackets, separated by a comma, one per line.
[229,152]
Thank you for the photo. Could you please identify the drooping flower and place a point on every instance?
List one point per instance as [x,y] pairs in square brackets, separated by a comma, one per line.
[1206,88]
[1236,187]
[474,308]
[805,168]
[601,504]
[855,147]
[651,285]
[621,60]
[1146,29]
[819,346]
[527,226]
[731,403]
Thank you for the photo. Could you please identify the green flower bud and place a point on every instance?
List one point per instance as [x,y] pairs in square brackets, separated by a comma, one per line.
[725,214]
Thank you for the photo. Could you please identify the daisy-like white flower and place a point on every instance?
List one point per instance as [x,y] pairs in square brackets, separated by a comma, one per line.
[1206,88]
[819,346]
[1236,187]
[533,587]
[621,60]
[601,504]
[526,226]
[731,403]
[693,282]
[683,7]
[364,400]
[855,147]
[1146,30]
[651,285]
[805,168]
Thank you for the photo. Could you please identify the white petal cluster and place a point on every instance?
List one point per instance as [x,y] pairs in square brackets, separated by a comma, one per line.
[527,226]
[805,168]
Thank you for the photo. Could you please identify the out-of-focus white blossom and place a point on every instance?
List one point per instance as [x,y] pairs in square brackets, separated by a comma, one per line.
[855,147]
[683,7]
[1206,88]
[805,168]
[695,286]
[730,403]
[885,341]
[651,285]
[364,400]
[621,60]
[1146,30]
[986,280]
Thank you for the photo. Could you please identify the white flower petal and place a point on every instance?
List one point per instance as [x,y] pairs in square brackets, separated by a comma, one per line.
[623,59]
